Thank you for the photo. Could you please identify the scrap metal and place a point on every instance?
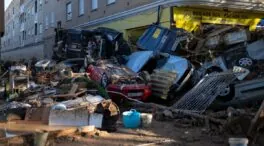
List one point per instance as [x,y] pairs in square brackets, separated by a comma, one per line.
[200,97]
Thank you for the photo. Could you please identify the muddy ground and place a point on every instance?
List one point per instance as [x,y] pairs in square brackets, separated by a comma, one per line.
[160,133]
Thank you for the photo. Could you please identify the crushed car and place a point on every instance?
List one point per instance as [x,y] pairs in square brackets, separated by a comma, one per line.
[169,74]
[97,43]
[215,49]
[247,59]
[119,79]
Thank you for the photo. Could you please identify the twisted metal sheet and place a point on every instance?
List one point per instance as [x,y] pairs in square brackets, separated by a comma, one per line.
[200,97]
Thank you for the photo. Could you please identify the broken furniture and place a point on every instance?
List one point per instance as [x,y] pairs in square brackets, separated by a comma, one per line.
[18,80]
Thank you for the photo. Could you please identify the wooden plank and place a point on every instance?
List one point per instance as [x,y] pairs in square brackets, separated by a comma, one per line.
[66,132]
[73,88]
[254,121]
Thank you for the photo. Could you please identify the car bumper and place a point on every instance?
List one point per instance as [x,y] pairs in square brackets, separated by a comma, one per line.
[135,91]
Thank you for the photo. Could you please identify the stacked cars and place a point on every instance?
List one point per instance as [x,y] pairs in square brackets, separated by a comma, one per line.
[169,62]
[216,48]
[169,74]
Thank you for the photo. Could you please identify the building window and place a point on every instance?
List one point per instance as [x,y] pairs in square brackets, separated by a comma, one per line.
[13,10]
[110,1]
[36,6]
[52,20]
[36,29]
[81,7]
[94,4]
[59,24]
[40,5]
[40,28]
[25,17]
[33,10]
[24,35]
[69,11]
[47,22]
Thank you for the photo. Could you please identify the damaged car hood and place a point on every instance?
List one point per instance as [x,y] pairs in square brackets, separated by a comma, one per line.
[137,60]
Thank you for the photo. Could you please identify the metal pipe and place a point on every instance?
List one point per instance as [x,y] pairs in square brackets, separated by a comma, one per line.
[158,15]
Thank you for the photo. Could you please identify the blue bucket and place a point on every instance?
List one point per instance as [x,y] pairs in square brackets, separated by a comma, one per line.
[238,141]
[131,119]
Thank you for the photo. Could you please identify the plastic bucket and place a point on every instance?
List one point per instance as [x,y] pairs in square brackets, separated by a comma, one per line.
[131,119]
[146,119]
[238,141]
[40,138]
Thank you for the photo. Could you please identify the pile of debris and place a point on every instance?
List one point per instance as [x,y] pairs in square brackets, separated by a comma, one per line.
[229,57]
[217,67]
[66,98]
[246,122]
[177,67]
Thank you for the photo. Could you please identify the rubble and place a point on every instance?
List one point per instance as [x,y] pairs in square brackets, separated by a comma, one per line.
[97,43]
[59,102]
[205,76]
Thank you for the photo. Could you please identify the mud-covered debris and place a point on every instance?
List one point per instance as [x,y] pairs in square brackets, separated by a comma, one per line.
[168,113]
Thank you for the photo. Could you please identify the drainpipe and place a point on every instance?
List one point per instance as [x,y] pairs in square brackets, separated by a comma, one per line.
[0,50]
[172,21]
[158,15]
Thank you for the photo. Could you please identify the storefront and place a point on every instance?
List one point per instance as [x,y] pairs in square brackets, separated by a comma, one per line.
[191,19]
[189,15]
[134,26]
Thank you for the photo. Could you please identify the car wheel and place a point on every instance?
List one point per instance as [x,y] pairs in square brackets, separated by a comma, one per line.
[245,62]
[104,80]
[226,91]
[227,94]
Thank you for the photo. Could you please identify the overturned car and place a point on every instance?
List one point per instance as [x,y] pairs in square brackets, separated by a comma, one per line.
[98,43]
[119,79]
[247,59]
[169,74]
[216,48]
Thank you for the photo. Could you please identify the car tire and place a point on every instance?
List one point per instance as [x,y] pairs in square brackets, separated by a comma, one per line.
[245,62]
[227,95]
[228,92]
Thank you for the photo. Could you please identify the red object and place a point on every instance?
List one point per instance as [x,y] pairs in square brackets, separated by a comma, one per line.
[95,73]
[113,72]
[135,91]
[119,90]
